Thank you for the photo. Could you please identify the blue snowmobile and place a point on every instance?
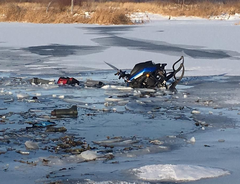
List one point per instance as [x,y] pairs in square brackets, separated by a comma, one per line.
[150,75]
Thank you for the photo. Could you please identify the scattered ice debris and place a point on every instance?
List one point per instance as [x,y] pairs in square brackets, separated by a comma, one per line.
[172,136]
[31,163]
[37,81]
[192,140]
[110,99]
[201,123]
[93,83]
[23,152]
[59,161]
[196,112]
[70,144]
[140,102]
[32,100]
[163,147]
[107,141]
[106,87]
[75,151]
[4,92]
[107,104]
[61,96]
[49,86]
[208,102]
[83,156]
[38,94]
[117,87]
[89,155]
[137,93]
[31,145]
[9,100]
[117,141]
[22,95]
[156,142]
[184,96]
[169,172]
[137,150]
[146,90]
[123,102]
[114,109]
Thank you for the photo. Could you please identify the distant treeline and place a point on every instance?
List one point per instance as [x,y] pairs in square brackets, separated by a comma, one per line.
[109,11]
[79,2]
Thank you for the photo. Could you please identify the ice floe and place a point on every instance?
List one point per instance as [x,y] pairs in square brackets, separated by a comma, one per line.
[169,172]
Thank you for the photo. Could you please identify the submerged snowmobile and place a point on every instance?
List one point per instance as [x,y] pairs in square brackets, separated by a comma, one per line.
[150,75]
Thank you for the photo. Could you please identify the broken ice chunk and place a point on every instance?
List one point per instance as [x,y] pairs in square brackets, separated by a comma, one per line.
[31,145]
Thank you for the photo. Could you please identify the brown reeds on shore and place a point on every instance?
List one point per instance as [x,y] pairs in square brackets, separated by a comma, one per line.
[108,12]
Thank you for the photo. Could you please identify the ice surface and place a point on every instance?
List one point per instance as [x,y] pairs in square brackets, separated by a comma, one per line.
[86,47]
[125,128]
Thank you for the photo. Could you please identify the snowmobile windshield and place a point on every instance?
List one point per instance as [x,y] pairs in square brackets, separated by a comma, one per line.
[141,68]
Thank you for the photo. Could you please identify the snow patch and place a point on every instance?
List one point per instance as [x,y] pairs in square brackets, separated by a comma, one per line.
[169,172]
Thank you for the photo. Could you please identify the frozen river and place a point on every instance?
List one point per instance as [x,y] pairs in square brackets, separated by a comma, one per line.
[120,135]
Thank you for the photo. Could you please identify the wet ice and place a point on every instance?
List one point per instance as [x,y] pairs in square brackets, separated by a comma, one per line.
[150,117]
